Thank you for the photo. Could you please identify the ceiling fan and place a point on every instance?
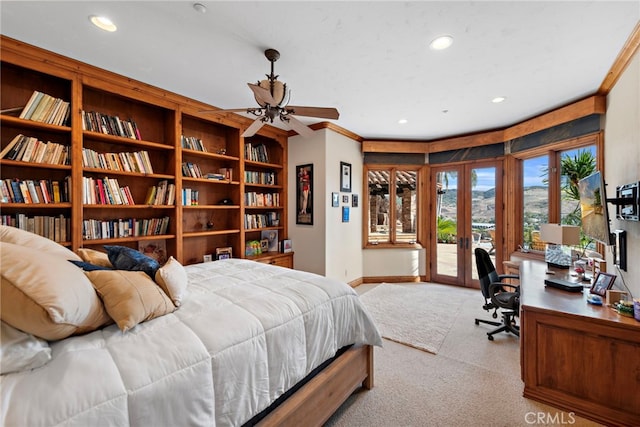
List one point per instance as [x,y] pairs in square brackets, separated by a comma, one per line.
[273,96]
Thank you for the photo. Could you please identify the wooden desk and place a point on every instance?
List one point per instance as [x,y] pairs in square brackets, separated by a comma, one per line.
[576,356]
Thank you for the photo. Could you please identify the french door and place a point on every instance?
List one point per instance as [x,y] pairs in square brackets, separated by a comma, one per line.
[466,214]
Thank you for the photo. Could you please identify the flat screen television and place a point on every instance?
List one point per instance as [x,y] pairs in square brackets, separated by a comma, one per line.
[593,206]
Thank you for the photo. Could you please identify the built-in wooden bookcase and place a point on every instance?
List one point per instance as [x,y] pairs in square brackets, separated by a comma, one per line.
[150,124]
[264,181]
[17,86]
[212,219]
[137,163]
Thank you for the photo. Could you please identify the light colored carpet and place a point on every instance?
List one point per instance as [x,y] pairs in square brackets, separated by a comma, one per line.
[470,382]
[419,316]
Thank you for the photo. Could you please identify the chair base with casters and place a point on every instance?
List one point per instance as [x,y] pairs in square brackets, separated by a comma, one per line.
[508,324]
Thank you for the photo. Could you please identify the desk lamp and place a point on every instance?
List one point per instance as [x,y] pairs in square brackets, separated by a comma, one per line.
[558,238]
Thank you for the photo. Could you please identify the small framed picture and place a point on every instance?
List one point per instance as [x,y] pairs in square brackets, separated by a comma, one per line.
[224,253]
[354,201]
[264,245]
[345,177]
[602,283]
[207,258]
[286,246]
[345,199]
[335,199]
[345,214]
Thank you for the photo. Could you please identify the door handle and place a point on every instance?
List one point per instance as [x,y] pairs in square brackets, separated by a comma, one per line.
[467,242]
[461,242]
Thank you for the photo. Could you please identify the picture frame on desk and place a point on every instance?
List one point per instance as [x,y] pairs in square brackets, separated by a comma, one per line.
[602,283]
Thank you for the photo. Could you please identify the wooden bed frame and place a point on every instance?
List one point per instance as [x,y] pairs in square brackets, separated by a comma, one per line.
[315,402]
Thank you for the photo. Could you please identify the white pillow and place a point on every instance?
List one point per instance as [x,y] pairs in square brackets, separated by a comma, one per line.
[172,278]
[20,351]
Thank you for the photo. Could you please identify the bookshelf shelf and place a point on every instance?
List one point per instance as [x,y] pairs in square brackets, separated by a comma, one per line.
[167,127]
[30,124]
[210,233]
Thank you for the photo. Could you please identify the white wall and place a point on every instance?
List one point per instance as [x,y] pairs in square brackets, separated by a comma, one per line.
[309,243]
[622,161]
[344,239]
[394,262]
[329,247]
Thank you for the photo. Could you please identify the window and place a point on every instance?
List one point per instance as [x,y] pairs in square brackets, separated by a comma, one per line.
[392,206]
[549,187]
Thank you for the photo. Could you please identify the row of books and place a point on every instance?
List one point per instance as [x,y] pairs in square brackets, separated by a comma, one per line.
[253,177]
[110,125]
[269,219]
[191,170]
[261,199]
[105,191]
[47,109]
[256,153]
[192,143]
[137,161]
[190,197]
[30,149]
[93,229]
[56,228]
[162,194]
[32,191]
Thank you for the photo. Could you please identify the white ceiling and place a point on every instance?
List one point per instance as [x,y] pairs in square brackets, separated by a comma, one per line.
[369,59]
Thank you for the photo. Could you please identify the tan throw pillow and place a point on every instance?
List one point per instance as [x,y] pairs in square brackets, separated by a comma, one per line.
[95,257]
[34,242]
[172,278]
[47,296]
[130,297]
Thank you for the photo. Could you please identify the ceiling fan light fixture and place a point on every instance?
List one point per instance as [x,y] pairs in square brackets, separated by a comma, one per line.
[441,42]
[103,23]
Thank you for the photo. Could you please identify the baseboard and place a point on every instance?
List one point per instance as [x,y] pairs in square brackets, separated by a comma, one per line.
[390,279]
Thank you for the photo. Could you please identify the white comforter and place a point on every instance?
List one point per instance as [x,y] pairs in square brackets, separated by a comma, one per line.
[245,334]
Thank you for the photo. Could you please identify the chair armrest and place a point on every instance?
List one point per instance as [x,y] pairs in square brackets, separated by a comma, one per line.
[508,276]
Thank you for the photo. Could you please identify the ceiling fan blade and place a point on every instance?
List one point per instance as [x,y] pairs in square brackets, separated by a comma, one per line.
[300,127]
[262,95]
[253,127]
[322,112]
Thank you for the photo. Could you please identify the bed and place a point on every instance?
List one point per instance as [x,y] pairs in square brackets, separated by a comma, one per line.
[244,336]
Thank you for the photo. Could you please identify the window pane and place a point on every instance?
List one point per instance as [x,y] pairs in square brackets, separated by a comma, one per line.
[535,199]
[379,206]
[406,206]
[576,164]
[446,222]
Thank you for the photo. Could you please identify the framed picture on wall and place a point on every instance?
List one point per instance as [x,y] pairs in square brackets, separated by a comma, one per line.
[345,177]
[335,199]
[304,194]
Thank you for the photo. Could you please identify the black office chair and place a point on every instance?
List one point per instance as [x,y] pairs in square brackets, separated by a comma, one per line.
[497,295]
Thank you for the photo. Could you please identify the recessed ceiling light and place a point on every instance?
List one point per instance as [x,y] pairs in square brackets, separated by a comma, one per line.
[442,42]
[498,99]
[103,23]
[403,121]
[199,7]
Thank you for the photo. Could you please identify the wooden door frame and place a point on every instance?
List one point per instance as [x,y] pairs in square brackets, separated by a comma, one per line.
[465,259]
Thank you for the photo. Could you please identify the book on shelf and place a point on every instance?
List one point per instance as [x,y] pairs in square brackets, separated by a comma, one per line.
[52,227]
[110,125]
[33,191]
[45,108]
[192,143]
[29,149]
